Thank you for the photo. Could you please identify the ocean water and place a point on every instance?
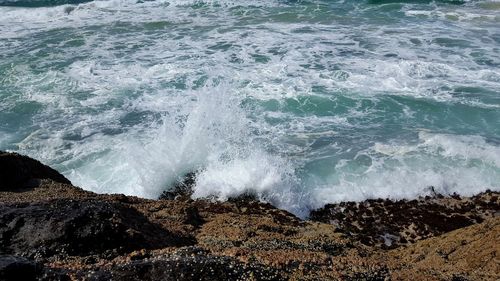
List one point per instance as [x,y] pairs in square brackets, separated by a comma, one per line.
[299,102]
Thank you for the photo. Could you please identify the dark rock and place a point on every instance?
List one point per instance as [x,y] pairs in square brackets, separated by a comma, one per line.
[372,222]
[188,263]
[193,217]
[192,263]
[244,198]
[75,228]
[13,268]
[183,189]
[381,274]
[458,278]
[18,171]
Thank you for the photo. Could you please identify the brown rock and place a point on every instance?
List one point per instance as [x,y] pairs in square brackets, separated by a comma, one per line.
[469,253]
[78,235]
[389,224]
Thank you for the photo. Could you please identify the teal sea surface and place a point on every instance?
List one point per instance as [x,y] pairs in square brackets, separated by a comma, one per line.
[299,102]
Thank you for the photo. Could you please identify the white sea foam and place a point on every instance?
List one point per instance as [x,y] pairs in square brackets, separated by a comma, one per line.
[296,110]
[448,163]
[210,135]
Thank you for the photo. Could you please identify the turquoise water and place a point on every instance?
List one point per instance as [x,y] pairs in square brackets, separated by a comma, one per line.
[301,102]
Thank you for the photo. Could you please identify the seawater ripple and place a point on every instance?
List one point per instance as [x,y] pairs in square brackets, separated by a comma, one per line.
[300,102]
[40,3]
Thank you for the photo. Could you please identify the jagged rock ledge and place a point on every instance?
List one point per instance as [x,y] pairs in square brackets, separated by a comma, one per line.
[52,230]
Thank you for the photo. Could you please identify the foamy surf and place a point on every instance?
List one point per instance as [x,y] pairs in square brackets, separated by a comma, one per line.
[300,103]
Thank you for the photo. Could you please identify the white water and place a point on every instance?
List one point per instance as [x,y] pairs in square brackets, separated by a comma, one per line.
[302,103]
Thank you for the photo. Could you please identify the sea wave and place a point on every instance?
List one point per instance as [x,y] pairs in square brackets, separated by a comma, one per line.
[40,3]
[299,102]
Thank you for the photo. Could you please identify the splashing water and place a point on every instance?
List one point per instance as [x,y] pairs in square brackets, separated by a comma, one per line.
[300,102]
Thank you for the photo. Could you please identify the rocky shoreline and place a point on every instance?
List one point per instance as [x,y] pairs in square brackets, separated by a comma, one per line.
[52,230]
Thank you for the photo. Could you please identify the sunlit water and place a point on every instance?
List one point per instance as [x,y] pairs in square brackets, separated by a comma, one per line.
[301,102]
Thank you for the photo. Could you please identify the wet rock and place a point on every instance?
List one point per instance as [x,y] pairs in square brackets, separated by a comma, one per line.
[14,268]
[183,189]
[77,228]
[388,224]
[18,171]
[244,198]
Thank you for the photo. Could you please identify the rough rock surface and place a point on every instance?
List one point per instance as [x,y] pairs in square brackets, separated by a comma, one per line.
[469,253]
[78,228]
[389,224]
[18,171]
[56,231]
[16,268]
[182,189]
